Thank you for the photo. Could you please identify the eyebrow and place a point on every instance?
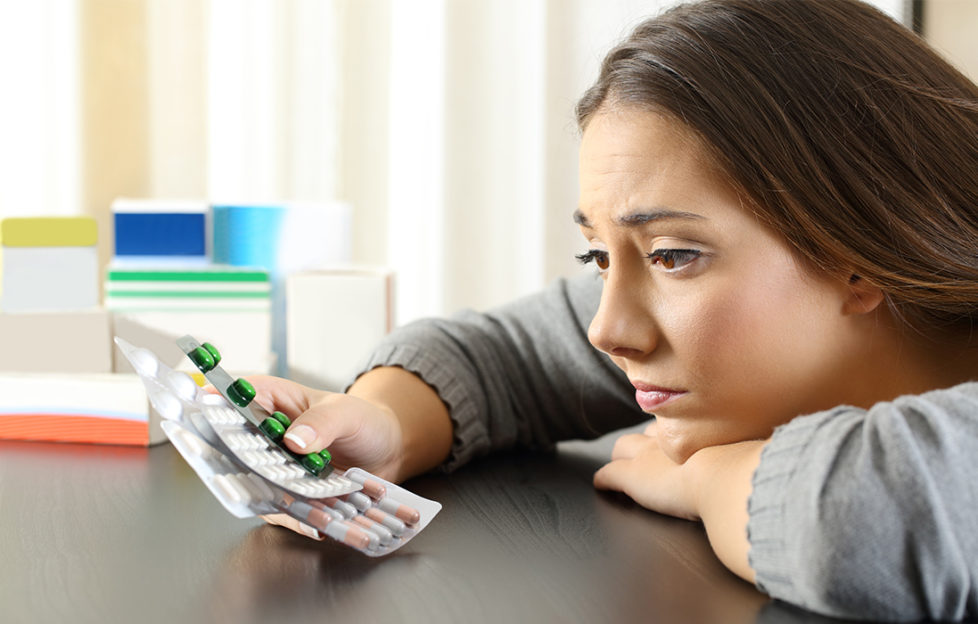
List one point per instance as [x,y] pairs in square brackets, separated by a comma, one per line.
[642,217]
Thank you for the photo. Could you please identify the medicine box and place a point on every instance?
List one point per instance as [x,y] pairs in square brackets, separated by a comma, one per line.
[94,408]
[161,230]
[223,305]
[56,342]
[49,263]
[334,319]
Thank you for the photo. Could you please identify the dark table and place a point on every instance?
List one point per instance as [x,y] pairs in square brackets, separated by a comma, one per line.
[114,534]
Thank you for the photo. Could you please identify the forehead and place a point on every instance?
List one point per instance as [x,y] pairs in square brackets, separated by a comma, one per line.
[632,159]
[631,135]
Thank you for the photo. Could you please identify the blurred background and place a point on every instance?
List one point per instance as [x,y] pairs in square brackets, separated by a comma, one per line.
[447,125]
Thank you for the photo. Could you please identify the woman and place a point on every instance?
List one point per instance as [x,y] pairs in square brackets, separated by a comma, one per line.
[780,200]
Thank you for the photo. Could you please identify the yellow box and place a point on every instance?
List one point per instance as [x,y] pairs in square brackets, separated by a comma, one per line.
[48,232]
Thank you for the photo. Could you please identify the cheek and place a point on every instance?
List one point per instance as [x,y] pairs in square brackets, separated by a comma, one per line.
[751,335]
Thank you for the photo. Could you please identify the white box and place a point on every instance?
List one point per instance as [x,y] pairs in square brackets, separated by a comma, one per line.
[244,339]
[334,320]
[99,409]
[49,278]
[56,342]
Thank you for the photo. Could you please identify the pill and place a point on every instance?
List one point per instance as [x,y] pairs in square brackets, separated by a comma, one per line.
[212,399]
[374,539]
[181,384]
[409,515]
[395,525]
[190,441]
[343,507]
[226,488]
[167,405]
[214,353]
[282,418]
[272,428]
[241,392]
[371,488]
[144,362]
[313,462]
[359,500]
[315,517]
[202,359]
[347,534]
[241,479]
[386,537]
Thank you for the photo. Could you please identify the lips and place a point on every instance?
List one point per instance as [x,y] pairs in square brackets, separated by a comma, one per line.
[650,397]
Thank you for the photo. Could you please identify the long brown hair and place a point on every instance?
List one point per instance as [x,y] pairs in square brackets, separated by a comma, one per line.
[850,136]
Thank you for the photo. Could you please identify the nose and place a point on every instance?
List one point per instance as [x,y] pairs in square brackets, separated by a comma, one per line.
[623,325]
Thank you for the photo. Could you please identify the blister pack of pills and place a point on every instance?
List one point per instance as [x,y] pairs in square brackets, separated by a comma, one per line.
[235,446]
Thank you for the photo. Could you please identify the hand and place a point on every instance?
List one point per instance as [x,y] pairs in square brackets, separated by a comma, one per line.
[640,469]
[713,485]
[390,423]
[356,431]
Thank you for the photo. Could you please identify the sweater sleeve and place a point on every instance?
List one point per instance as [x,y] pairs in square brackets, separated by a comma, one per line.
[522,375]
[872,514]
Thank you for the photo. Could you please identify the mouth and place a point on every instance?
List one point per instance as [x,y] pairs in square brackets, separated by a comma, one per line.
[650,397]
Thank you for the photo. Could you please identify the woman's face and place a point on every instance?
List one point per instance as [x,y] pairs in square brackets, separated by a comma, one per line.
[720,327]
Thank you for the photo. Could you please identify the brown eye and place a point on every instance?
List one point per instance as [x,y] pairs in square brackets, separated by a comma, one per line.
[598,257]
[673,259]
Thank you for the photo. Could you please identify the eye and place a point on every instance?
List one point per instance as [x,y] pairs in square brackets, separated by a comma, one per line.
[673,259]
[598,257]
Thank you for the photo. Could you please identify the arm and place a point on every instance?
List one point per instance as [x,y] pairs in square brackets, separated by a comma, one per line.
[845,512]
[522,375]
[872,514]
[713,485]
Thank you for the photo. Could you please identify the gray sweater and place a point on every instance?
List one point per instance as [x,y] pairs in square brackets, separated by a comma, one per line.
[854,513]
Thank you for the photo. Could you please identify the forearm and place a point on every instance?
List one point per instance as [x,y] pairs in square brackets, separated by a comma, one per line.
[426,429]
[721,477]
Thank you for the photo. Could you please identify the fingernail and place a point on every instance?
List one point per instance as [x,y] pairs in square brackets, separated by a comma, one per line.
[301,435]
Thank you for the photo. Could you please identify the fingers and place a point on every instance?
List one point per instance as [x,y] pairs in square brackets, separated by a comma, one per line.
[291,523]
[631,445]
[614,476]
[335,416]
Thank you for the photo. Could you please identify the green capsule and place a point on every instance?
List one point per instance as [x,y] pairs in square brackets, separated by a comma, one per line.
[313,462]
[241,393]
[213,351]
[202,359]
[326,455]
[282,418]
[272,428]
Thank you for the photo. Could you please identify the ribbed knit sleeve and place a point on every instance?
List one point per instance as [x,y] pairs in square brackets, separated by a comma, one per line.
[873,514]
[522,375]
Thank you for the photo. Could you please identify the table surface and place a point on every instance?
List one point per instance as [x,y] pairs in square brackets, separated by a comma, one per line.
[110,534]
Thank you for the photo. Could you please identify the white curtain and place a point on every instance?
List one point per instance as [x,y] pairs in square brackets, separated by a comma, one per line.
[447,124]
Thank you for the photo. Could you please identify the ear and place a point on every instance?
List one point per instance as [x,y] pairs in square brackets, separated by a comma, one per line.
[862,297]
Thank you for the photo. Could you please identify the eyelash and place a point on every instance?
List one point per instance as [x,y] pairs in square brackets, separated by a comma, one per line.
[658,256]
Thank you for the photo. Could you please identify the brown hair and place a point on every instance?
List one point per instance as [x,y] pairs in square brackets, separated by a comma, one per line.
[848,133]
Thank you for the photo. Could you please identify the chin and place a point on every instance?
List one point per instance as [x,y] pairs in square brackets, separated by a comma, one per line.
[677,441]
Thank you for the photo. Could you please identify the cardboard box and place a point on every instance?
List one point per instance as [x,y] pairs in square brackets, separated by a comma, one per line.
[334,320]
[56,342]
[93,408]
[49,263]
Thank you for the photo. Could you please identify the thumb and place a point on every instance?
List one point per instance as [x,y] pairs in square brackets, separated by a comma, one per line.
[323,423]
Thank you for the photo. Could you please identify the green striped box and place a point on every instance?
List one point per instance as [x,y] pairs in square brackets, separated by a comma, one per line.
[211,288]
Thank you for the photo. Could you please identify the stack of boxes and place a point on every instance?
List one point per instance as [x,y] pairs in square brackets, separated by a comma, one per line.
[269,306]
[56,380]
[162,285]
